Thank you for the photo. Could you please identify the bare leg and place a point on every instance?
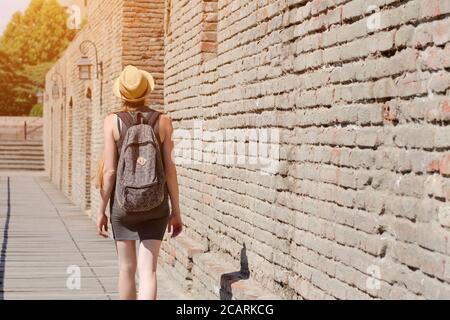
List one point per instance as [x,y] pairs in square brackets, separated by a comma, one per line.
[127,269]
[147,264]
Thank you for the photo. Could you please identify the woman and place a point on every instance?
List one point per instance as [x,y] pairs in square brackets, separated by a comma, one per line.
[132,87]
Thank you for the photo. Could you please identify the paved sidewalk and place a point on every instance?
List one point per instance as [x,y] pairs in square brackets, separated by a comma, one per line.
[45,240]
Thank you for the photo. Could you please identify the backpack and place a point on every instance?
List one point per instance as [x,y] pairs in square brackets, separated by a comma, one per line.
[140,176]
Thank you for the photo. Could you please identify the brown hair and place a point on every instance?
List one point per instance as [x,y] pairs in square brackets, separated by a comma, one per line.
[98,177]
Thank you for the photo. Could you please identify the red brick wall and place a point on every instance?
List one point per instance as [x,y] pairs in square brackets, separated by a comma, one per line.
[112,26]
[143,42]
[359,99]
[359,204]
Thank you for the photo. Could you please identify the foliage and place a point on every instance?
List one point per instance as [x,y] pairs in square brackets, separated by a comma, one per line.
[39,35]
[30,45]
[36,73]
[13,88]
[37,110]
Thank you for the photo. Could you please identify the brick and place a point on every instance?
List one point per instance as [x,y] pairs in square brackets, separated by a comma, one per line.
[362,114]
[444,216]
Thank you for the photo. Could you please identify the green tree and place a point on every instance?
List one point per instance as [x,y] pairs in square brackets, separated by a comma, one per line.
[39,35]
[7,75]
[37,110]
[16,90]
[7,42]
[30,45]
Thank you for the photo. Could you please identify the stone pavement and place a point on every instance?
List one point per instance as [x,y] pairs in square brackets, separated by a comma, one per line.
[46,240]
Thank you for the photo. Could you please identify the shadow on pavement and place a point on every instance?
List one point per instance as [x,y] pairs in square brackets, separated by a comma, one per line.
[5,241]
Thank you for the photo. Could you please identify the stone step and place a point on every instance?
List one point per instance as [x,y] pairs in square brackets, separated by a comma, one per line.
[21,152]
[176,258]
[20,148]
[22,162]
[21,156]
[217,278]
[21,142]
[207,275]
[24,170]
[13,166]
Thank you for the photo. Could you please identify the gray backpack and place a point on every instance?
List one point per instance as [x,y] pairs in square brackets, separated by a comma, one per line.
[140,172]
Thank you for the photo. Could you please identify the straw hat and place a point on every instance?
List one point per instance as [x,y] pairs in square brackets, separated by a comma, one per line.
[134,84]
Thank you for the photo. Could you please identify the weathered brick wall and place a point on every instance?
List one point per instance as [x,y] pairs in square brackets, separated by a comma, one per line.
[74,133]
[77,120]
[358,91]
[143,42]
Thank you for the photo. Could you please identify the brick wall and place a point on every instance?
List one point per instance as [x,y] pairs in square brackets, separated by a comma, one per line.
[350,96]
[359,207]
[74,125]
[143,40]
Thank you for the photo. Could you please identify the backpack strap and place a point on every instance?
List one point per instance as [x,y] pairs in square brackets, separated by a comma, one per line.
[127,121]
[152,120]
[152,117]
[126,118]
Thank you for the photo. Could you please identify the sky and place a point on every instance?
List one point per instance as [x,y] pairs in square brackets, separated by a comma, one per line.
[8,8]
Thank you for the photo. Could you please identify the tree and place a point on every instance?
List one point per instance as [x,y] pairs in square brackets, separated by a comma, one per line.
[7,42]
[14,88]
[29,46]
[6,77]
[39,35]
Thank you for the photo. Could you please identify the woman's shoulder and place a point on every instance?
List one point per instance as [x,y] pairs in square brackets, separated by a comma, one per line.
[164,118]
[165,125]
[110,118]
[165,121]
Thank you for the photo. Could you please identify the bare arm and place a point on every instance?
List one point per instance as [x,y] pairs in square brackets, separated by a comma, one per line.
[110,163]
[169,164]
